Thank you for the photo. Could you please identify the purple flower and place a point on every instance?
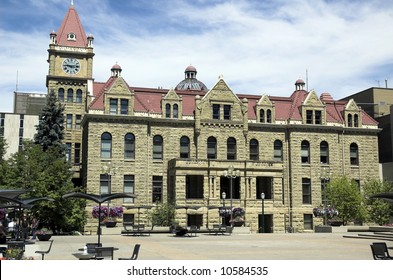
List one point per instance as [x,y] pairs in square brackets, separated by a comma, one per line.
[114,212]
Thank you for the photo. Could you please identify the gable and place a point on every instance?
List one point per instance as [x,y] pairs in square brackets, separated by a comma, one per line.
[172,95]
[352,106]
[265,101]
[312,100]
[221,95]
[119,87]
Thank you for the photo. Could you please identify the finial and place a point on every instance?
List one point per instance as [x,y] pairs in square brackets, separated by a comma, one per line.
[72,2]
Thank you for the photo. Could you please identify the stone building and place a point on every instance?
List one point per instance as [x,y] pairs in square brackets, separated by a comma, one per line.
[177,145]
[378,103]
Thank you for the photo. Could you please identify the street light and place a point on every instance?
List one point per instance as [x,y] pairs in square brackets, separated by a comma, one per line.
[263,212]
[325,177]
[224,195]
[231,174]
[109,170]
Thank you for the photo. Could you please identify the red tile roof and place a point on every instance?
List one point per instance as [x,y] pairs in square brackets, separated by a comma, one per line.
[71,24]
[148,100]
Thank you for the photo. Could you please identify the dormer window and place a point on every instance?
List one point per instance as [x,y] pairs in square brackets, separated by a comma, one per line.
[227,112]
[313,117]
[216,111]
[71,37]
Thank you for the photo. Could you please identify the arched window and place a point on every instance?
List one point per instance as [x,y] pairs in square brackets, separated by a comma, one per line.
[167,110]
[324,152]
[262,116]
[305,151]
[349,120]
[78,96]
[70,95]
[355,120]
[129,146]
[277,150]
[354,154]
[254,149]
[158,145]
[106,145]
[60,94]
[184,147]
[231,148]
[211,148]
[175,111]
[269,116]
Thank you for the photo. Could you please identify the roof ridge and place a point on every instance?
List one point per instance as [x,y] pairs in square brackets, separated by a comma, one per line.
[102,91]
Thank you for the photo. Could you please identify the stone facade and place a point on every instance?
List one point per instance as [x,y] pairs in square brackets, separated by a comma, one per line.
[167,145]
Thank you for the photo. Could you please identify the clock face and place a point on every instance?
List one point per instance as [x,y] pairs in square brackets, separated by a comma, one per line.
[71,65]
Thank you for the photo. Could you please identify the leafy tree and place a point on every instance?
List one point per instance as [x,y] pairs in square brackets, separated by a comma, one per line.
[3,166]
[163,214]
[379,211]
[345,196]
[47,174]
[50,130]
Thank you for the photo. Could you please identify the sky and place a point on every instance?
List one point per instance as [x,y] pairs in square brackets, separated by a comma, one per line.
[259,47]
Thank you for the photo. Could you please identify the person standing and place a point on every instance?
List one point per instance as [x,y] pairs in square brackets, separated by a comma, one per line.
[34,225]
[25,228]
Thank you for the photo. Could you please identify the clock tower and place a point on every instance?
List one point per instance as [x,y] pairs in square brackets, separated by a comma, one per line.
[70,76]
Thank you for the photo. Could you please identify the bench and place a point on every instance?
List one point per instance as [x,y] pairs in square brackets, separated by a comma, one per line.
[218,229]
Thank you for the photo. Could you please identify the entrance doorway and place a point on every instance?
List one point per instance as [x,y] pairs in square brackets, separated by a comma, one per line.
[267,224]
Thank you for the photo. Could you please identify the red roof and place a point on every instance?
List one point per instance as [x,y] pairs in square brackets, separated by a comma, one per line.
[148,100]
[71,24]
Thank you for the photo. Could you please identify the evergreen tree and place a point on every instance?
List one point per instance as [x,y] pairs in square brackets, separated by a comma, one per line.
[50,130]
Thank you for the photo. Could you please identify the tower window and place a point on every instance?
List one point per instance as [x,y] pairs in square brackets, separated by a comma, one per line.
[71,37]
[70,95]
[79,96]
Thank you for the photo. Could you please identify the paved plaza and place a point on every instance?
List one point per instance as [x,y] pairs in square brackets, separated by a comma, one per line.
[165,246]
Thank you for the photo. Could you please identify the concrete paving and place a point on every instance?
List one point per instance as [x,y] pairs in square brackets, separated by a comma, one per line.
[165,246]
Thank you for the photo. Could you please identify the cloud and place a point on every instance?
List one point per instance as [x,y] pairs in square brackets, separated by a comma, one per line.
[259,46]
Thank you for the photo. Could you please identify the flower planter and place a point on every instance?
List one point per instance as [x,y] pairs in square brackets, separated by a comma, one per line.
[335,223]
[238,223]
[327,229]
[44,237]
[110,224]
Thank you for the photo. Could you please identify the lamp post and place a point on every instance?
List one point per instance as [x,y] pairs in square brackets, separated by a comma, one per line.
[109,170]
[231,174]
[263,212]
[224,195]
[325,173]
